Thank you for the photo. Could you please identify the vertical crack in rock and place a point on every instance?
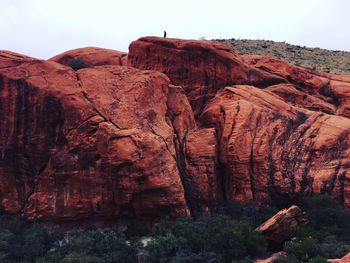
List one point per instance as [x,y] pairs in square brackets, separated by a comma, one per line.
[23,127]
[181,165]
[192,193]
[220,172]
[251,158]
[271,162]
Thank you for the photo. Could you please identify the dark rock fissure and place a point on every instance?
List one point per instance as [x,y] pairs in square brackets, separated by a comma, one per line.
[251,158]
[192,193]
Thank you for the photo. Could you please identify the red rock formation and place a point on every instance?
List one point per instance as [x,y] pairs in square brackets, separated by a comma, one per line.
[91,144]
[117,142]
[93,56]
[200,67]
[270,150]
[331,89]
[270,147]
[282,225]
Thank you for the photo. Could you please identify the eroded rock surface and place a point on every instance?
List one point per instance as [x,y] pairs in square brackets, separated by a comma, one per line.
[92,56]
[186,127]
[200,67]
[271,151]
[91,144]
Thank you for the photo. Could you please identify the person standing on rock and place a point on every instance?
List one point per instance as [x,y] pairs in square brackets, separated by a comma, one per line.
[164,34]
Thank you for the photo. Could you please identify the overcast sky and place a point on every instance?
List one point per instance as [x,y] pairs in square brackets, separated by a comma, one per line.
[44,28]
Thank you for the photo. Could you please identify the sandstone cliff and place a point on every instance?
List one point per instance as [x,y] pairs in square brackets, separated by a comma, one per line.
[176,127]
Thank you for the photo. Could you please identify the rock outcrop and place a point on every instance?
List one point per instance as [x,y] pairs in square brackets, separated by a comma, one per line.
[92,56]
[88,144]
[200,67]
[281,226]
[271,151]
[186,126]
[281,138]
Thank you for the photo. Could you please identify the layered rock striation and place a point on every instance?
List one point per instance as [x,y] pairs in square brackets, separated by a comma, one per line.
[176,127]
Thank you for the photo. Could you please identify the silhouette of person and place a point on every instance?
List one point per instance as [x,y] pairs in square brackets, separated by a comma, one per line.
[164,34]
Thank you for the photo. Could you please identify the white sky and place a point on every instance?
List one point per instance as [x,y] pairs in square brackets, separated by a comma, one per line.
[44,28]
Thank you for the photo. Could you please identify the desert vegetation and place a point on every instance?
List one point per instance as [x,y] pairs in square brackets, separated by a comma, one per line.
[316,58]
[227,236]
[77,63]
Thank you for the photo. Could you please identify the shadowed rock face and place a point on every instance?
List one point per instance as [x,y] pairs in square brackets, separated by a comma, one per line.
[189,125]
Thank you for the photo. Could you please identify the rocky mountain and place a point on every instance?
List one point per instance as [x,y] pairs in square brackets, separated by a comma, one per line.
[175,127]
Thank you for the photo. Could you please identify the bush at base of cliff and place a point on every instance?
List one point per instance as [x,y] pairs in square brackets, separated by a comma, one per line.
[218,236]
[328,216]
[94,246]
[24,242]
[303,249]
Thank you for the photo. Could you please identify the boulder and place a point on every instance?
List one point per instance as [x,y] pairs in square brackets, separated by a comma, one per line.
[281,226]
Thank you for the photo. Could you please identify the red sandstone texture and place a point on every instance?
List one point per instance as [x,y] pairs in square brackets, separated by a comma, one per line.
[282,225]
[88,144]
[184,127]
[92,56]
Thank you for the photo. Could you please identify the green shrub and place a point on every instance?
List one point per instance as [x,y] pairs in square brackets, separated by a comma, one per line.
[219,235]
[95,246]
[302,249]
[328,217]
[77,63]
[136,230]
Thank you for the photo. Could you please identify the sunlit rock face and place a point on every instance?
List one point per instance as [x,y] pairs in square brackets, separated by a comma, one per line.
[175,127]
[92,143]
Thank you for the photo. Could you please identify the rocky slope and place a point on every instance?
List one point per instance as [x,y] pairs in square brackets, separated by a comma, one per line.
[176,127]
[333,61]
